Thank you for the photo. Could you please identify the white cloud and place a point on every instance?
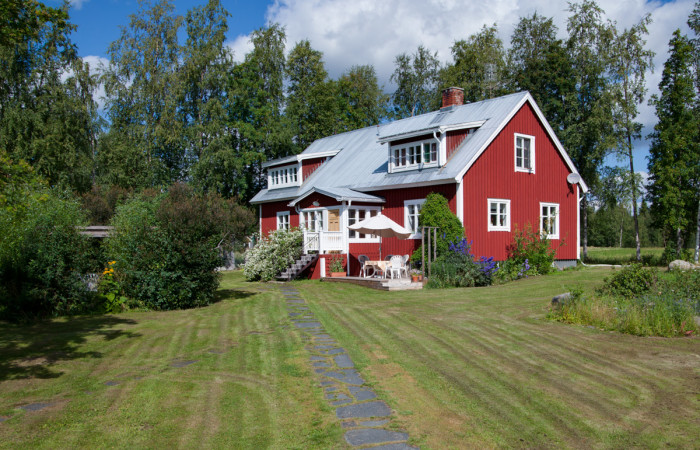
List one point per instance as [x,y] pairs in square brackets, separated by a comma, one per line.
[77,4]
[374,32]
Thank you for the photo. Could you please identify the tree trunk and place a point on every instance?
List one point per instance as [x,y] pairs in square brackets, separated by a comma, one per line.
[697,233]
[634,199]
[679,243]
[584,216]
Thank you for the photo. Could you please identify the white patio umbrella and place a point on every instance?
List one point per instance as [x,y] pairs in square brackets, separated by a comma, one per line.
[381,226]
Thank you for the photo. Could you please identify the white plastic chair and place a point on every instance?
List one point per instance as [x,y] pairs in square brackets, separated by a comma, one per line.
[395,266]
[404,269]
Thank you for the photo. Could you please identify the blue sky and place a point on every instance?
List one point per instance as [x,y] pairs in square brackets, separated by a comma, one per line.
[351,32]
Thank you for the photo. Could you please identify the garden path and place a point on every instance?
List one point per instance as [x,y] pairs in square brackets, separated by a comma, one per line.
[365,418]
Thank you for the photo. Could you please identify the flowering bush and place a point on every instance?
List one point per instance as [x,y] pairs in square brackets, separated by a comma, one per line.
[110,290]
[529,254]
[272,254]
[459,268]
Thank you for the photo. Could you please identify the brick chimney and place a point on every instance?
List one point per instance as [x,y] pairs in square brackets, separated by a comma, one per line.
[452,96]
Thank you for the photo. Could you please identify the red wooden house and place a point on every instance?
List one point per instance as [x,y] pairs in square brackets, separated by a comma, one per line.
[498,163]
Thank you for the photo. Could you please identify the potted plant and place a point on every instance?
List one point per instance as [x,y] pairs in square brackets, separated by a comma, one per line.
[416,275]
[337,268]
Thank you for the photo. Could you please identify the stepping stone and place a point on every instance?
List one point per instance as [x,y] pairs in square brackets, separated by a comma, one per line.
[179,364]
[331,389]
[335,351]
[348,424]
[321,364]
[361,396]
[341,402]
[138,378]
[349,378]
[338,396]
[111,383]
[303,308]
[322,336]
[373,436]
[399,446]
[295,301]
[374,423]
[364,410]
[317,358]
[308,325]
[343,361]
[326,383]
[322,347]
[35,406]
[2,419]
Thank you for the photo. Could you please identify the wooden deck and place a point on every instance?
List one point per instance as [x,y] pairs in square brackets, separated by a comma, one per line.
[382,284]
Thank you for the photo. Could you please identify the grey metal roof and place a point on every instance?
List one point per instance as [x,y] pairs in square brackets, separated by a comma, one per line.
[362,164]
[340,194]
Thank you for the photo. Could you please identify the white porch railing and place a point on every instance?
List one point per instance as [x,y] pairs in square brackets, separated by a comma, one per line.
[323,241]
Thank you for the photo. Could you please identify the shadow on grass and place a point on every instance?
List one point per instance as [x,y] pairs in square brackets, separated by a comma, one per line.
[30,351]
[232,294]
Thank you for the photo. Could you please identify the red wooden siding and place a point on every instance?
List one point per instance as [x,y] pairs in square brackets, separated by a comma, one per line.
[268,220]
[309,166]
[454,138]
[493,175]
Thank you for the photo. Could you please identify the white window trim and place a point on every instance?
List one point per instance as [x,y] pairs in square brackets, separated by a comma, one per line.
[368,237]
[556,220]
[274,182]
[324,219]
[282,214]
[438,151]
[406,223]
[488,214]
[532,153]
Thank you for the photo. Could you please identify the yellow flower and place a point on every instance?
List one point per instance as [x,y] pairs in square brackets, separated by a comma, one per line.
[112,262]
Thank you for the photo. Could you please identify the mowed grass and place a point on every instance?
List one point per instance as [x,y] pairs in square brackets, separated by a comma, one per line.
[621,255]
[251,386]
[483,367]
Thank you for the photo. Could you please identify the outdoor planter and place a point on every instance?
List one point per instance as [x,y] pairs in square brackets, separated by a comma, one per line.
[337,274]
[415,278]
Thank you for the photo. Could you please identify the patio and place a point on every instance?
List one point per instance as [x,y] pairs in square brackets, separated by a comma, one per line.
[382,284]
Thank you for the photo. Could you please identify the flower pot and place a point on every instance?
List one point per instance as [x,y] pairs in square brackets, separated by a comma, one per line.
[415,278]
[337,274]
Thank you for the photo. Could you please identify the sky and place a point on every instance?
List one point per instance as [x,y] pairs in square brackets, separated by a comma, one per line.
[352,32]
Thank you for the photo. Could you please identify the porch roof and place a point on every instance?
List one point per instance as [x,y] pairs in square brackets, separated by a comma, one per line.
[339,194]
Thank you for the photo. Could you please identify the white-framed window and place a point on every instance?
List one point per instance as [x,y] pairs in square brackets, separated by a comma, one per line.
[281,177]
[311,220]
[283,220]
[549,220]
[411,213]
[358,214]
[499,214]
[524,153]
[413,155]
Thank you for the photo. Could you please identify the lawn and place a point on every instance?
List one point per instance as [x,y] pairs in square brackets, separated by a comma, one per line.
[621,255]
[479,367]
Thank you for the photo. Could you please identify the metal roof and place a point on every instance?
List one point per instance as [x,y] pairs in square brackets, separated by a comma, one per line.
[340,194]
[362,164]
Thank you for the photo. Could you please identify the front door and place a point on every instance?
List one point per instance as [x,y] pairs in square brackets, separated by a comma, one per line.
[333,220]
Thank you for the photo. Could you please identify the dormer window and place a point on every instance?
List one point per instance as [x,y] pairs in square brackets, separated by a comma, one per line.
[286,176]
[413,155]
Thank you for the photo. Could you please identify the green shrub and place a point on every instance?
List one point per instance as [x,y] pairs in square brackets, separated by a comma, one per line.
[273,254]
[435,212]
[167,247]
[42,257]
[458,268]
[529,254]
[630,281]
[337,265]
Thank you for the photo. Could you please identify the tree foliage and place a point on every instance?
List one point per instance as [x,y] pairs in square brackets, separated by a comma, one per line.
[416,77]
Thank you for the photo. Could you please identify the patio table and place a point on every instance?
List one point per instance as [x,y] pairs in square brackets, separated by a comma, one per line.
[376,265]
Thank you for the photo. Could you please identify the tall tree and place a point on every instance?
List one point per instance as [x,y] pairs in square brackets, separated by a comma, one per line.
[479,65]
[205,73]
[362,102]
[23,20]
[629,62]
[47,114]
[142,85]
[311,100]
[256,97]
[416,77]
[674,154]
[694,24]
[587,131]
[538,62]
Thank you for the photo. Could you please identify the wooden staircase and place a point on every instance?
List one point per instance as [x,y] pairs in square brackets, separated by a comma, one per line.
[298,267]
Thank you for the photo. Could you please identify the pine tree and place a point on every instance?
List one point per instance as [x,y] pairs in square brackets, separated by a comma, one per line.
[674,154]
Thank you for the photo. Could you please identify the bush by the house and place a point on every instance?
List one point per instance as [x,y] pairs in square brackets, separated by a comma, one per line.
[167,247]
[459,268]
[435,212]
[528,254]
[639,301]
[272,254]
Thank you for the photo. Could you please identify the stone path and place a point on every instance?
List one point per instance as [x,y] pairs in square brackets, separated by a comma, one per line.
[365,418]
